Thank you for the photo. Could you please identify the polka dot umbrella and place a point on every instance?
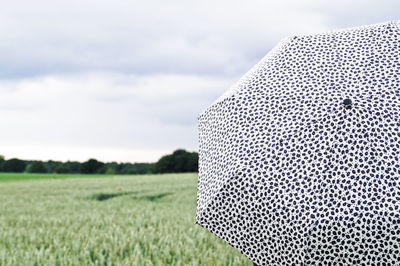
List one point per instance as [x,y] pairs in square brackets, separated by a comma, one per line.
[299,161]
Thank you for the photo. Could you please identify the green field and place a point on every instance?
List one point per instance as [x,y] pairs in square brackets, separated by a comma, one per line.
[29,176]
[121,220]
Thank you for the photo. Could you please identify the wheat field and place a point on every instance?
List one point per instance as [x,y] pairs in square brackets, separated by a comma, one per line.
[119,220]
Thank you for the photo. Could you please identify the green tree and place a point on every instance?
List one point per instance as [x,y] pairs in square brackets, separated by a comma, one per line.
[105,170]
[14,165]
[165,164]
[177,162]
[73,166]
[36,167]
[135,168]
[52,165]
[192,163]
[91,166]
[2,161]
[62,169]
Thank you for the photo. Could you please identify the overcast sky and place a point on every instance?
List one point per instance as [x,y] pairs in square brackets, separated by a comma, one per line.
[124,80]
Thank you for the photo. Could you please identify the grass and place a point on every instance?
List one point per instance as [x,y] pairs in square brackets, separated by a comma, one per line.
[29,176]
[120,220]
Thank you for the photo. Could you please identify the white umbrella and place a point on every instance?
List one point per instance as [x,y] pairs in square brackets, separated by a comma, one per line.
[299,161]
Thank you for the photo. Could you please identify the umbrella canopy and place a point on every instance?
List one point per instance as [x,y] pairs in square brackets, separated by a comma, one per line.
[299,161]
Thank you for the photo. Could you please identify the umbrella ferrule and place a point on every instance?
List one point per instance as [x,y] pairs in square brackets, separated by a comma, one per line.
[347,103]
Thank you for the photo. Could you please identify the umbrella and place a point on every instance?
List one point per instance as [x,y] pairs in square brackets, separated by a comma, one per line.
[299,160]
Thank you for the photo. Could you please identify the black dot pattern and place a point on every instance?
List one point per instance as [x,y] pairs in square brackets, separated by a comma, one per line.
[291,174]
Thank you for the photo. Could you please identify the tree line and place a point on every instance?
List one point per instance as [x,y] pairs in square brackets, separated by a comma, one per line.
[177,162]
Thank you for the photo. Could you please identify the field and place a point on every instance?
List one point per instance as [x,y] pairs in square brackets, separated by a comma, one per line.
[120,220]
[29,176]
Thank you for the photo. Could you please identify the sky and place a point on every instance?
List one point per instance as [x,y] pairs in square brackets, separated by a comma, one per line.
[125,80]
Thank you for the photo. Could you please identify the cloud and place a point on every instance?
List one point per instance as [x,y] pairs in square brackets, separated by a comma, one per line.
[81,153]
[178,37]
[106,110]
[341,14]
[122,76]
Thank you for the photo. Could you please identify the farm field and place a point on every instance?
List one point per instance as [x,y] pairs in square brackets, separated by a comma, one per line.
[29,176]
[112,220]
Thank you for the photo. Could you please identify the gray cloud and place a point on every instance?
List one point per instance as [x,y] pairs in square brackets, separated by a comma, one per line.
[135,37]
[222,38]
[107,110]
[121,76]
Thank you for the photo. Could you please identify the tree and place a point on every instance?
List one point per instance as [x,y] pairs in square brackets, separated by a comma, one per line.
[105,170]
[91,166]
[192,164]
[2,161]
[137,168]
[14,165]
[36,167]
[177,162]
[62,169]
[73,166]
[52,165]
[165,164]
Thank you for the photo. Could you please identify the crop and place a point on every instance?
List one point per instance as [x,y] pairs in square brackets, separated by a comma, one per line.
[120,220]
